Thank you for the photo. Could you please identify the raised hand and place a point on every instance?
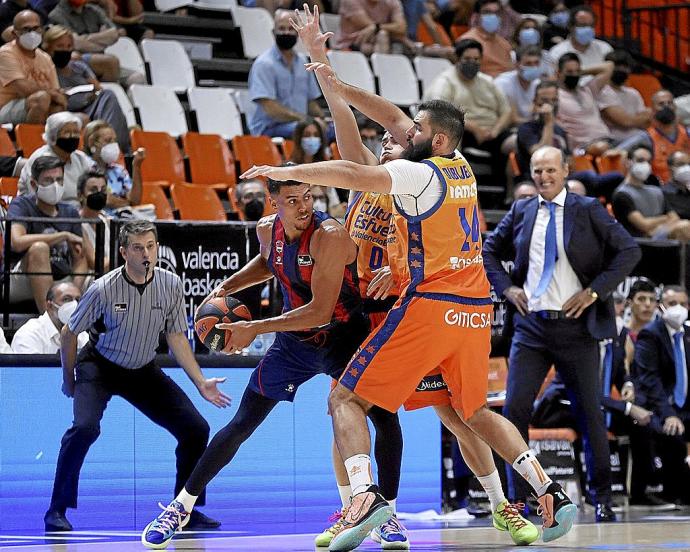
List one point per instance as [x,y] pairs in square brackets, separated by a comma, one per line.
[328,76]
[274,173]
[307,28]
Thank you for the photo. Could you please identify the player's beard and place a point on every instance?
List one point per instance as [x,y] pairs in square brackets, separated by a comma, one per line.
[417,152]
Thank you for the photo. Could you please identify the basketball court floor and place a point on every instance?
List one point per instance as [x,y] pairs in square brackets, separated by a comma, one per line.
[636,532]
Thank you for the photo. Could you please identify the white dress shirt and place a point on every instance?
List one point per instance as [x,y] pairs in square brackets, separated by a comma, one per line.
[39,336]
[564,282]
[671,332]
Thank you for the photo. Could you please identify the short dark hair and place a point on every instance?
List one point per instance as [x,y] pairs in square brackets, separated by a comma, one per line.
[674,287]
[545,84]
[136,228]
[531,50]
[85,177]
[577,9]
[45,163]
[641,285]
[481,3]
[444,116]
[672,158]
[620,57]
[274,186]
[467,44]
[640,146]
[565,58]
[50,295]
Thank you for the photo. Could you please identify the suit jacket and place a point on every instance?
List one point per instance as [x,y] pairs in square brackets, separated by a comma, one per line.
[654,368]
[600,251]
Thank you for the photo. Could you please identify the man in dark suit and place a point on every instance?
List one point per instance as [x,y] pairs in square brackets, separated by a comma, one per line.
[660,368]
[569,255]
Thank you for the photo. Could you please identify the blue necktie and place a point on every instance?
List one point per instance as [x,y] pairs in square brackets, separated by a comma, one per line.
[681,371]
[606,376]
[550,251]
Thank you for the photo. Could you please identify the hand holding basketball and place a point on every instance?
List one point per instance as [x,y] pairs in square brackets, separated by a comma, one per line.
[218,310]
[240,335]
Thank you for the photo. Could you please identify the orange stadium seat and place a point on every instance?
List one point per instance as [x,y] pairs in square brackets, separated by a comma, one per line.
[457,30]
[288,148]
[8,186]
[7,148]
[424,36]
[154,194]
[335,152]
[195,202]
[514,165]
[163,164]
[29,138]
[647,85]
[255,150]
[211,162]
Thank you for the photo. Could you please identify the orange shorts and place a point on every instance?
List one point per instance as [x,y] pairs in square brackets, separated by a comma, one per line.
[421,333]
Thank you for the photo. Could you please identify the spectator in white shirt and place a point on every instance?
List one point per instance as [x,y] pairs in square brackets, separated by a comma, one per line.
[581,41]
[41,336]
[519,85]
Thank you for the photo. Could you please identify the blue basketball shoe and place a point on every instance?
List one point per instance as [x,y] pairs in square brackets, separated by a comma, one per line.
[392,535]
[161,530]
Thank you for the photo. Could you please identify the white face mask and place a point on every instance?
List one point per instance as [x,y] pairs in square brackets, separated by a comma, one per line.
[30,40]
[320,205]
[675,316]
[50,194]
[110,153]
[66,310]
[682,174]
[641,170]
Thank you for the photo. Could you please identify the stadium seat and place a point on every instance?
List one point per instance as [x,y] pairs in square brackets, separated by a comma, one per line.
[424,36]
[216,111]
[215,5]
[514,165]
[352,68]
[8,186]
[170,5]
[246,107]
[429,68]
[647,85]
[196,202]
[457,30]
[335,152]
[159,109]
[123,100]
[29,138]
[255,150]
[7,148]
[583,163]
[211,162]
[256,30]
[169,64]
[127,51]
[154,194]
[397,79]
[609,163]
[288,148]
[163,164]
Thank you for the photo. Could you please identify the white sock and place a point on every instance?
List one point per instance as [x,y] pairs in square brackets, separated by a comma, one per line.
[687,460]
[345,492]
[529,467]
[359,471]
[186,499]
[492,485]
[392,503]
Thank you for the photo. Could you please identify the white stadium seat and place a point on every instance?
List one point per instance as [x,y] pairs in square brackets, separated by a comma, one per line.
[159,109]
[256,30]
[169,64]
[216,111]
[397,79]
[429,68]
[127,51]
[123,100]
[352,68]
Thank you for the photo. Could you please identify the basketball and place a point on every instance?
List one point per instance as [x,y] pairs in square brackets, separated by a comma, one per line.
[219,310]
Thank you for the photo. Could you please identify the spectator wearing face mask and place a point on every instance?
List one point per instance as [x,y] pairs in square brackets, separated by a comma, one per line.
[556,26]
[93,194]
[100,141]
[250,198]
[41,336]
[520,84]
[496,58]
[528,33]
[509,19]
[62,140]
[677,190]
[581,41]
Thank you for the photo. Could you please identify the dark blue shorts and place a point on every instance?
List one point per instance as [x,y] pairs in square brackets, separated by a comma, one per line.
[292,360]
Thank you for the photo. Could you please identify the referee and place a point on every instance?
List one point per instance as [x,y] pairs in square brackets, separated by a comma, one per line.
[125,311]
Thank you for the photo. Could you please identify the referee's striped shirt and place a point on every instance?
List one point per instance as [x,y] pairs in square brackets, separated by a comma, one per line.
[128,318]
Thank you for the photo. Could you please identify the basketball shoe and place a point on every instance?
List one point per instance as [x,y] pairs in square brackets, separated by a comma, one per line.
[507,518]
[325,538]
[392,535]
[367,510]
[161,530]
[557,511]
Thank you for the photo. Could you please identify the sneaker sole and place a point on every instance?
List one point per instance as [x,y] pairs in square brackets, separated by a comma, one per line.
[520,541]
[349,539]
[163,545]
[324,543]
[565,518]
[395,545]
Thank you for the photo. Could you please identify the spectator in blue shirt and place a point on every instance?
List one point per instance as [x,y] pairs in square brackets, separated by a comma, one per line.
[282,90]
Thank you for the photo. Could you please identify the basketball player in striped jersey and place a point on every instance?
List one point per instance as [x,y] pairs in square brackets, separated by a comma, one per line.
[366,221]
[443,317]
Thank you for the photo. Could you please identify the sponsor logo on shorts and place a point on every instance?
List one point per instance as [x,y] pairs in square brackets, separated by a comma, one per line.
[472,320]
[304,260]
[432,383]
[120,307]
[458,263]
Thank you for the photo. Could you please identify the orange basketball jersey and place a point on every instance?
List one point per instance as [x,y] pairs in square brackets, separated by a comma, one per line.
[663,148]
[440,251]
[368,221]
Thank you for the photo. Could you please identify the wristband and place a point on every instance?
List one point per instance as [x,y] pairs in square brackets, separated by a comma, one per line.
[628,408]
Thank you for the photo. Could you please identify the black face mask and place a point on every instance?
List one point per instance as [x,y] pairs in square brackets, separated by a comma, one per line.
[286,41]
[619,76]
[254,210]
[61,58]
[67,144]
[96,200]
[469,69]
[571,81]
[665,115]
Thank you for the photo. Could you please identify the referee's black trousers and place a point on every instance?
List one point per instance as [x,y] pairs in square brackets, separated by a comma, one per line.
[154,393]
